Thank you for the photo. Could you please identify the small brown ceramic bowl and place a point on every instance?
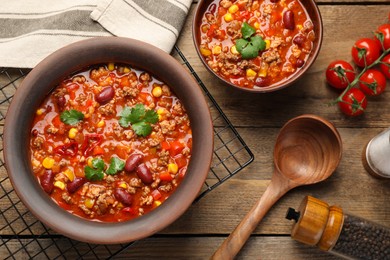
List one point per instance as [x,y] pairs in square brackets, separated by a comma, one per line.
[41,81]
[208,6]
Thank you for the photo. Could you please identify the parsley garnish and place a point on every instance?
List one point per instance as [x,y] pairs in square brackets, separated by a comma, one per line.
[139,118]
[96,172]
[116,165]
[71,117]
[249,46]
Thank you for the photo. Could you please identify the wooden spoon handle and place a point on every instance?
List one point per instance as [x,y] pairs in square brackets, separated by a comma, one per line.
[232,245]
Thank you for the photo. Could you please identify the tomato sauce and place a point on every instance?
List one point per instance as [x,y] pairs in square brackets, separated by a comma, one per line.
[284,25]
[110,143]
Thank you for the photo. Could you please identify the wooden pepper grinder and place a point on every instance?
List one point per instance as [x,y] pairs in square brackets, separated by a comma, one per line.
[376,155]
[332,230]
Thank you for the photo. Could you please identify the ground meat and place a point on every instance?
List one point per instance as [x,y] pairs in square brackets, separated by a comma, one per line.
[130,92]
[60,92]
[271,56]
[145,78]
[147,200]
[167,126]
[37,142]
[103,202]
[234,29]
[107,110]
[95,190]
[276,42]
[109,178]
[135,182]
[81,98]
[79,79]
[163,158]
[97,73]
[178,109]
[210,18]
[166,90]
[68,199]
[52,130]
[61,177]
[296,52]
[226,3]
[86,210]
[167,187]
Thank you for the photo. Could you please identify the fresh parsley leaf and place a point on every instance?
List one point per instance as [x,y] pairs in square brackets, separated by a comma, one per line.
[116,165]
[142,128]
[96,172]
[71,117]
[249,46]
[258,42]
[241,44]
[247,30]
[139,118]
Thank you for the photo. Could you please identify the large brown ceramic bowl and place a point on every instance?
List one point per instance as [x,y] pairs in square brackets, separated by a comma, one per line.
[41,81]
[315,16]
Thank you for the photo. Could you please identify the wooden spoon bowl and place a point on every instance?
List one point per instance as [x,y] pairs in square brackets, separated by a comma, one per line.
[307,150]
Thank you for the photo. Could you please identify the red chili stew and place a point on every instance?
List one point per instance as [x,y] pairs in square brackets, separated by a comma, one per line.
[110,143]
[255,44]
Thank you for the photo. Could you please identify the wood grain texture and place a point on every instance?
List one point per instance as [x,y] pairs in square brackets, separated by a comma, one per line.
[258,119]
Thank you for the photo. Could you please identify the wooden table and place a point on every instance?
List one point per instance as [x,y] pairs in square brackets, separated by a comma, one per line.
[258,118]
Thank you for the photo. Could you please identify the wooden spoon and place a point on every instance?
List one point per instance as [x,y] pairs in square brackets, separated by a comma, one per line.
[307,150]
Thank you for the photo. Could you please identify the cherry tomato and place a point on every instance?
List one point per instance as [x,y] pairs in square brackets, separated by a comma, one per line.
[384,29]
[367,48]
[353,103]
[385,66]
[339,73]
[372,82]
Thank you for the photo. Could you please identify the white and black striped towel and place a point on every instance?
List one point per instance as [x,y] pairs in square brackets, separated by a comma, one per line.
[30,30]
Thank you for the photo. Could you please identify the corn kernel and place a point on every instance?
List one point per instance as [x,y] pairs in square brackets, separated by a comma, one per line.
[256,25]
[157,203]
[228,17]
[111,66]
[262,73]
[250,73]
[160,111]
[233,49]
[60,185]
[72,133]
[40,111]
[205,52]
[89,162]
[48,163]
[233,8]
[299,26]
[217,49]
[173,168]
[126,70]
[267,44]
[89,203]
[157,92]
[123,185]
[69,173]
[119,205]
[101,123]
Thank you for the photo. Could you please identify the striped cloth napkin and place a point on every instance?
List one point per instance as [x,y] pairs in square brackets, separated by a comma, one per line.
[31,30]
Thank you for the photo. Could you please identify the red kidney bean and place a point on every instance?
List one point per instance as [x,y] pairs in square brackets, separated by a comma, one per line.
[144,174]
[75,184]
[288,20]
[261,82]
[274,1]
[123,196]
[300,63]
[35,133]
[61,102]
[105,95]
[299,39]
[47,181]
[133,161]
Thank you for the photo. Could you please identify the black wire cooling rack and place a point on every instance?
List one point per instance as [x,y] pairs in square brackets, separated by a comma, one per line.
[24,237]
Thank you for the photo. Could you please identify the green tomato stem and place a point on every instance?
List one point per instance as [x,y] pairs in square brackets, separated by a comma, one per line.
[356,80]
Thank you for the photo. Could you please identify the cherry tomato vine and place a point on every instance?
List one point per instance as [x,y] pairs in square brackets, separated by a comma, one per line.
[372,55]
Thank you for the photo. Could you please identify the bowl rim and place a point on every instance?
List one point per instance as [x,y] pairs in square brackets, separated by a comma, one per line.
[73,58]
[279,85]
